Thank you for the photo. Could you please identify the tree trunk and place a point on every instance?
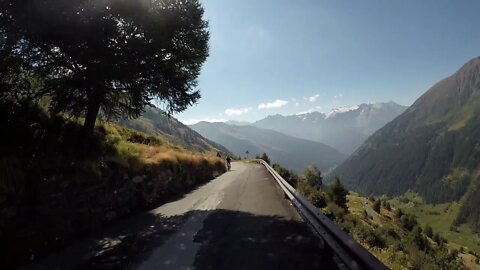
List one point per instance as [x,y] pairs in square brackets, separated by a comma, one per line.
[91,116]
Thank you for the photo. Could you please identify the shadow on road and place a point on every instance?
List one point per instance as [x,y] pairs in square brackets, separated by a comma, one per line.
[225,240]
[238,240]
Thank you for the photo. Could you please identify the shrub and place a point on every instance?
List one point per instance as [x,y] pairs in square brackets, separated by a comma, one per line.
[312,175]
[265,157]
[437,238]
[408,221]
[398,213]
[288,175]
[428,231]
[377,206]
[338,193]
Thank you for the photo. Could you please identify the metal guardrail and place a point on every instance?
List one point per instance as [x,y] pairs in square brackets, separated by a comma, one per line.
[351,253]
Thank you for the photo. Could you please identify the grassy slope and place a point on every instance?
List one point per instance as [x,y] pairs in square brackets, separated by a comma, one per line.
[439,217]
[156,122]
[56,184]
[357,206]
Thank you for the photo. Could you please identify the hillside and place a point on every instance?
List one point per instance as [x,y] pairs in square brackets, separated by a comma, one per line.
[344,129]
[433,148]
[58,184]
[386,227]
[156,122]
[288,151]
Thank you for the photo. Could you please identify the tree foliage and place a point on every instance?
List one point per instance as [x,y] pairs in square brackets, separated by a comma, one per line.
[265,157]
[428,231]
[338,193]
[377,206]
[312,175]
[111,56]
[288,175]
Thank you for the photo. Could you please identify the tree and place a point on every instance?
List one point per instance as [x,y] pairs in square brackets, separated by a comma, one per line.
[288,175]
[387,206]
[428,231]
[112,57]
[437,239]
[246,152]
[265,157]
[377,206]
[338,193]
[312,175]
[398,213]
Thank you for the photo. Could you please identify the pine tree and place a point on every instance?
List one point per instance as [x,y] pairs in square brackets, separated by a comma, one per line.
[338,193]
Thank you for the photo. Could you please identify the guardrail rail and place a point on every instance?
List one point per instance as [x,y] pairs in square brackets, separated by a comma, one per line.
[351,253]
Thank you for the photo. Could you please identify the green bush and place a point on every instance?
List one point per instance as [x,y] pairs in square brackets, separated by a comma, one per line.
[428,231]
[338,193]
[312,175]
[288,175]
[377,206]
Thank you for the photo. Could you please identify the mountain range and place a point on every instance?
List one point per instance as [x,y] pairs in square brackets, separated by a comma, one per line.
[433,148]
[344,129]
[291,152]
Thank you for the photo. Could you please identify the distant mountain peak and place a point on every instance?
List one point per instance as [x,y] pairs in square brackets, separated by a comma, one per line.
[343,128]
[340,110]
[238,123]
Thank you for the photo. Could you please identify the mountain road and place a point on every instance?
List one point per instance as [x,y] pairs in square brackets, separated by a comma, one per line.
[240,220]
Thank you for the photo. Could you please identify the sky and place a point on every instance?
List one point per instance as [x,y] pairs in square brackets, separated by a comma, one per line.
[292,56]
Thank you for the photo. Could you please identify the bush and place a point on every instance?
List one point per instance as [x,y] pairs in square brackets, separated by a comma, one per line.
[288,175]
[428,231]
[312,175]
[338,193]
[377,206]
[367,235]
[265,157]
[408,221]
[387,206]
[337,212]
[398,213]
[437,238]
[313,194]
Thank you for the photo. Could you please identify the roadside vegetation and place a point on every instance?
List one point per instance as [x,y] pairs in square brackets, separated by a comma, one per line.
[58,184]
[392,234]
[63,173]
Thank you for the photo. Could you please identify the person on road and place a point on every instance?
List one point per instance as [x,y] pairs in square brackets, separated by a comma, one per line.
[228,163]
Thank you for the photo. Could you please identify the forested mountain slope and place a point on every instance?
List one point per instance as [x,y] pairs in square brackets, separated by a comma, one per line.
[433,148]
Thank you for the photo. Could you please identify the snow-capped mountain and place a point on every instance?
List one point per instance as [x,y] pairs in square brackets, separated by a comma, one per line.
[344,128]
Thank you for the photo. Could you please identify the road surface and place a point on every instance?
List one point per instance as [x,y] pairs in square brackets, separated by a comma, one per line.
[239,220]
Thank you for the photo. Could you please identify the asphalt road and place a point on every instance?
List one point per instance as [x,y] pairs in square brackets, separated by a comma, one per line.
[239,220]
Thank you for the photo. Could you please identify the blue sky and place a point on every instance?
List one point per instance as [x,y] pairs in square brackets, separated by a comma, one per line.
[291,56]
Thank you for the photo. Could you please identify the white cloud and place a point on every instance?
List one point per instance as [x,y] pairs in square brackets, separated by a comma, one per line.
[275,104]
[297,104]
[236,112]
[337,96]
[313,98]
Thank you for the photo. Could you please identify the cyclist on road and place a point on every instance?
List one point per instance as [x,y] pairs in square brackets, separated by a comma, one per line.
[228,163]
